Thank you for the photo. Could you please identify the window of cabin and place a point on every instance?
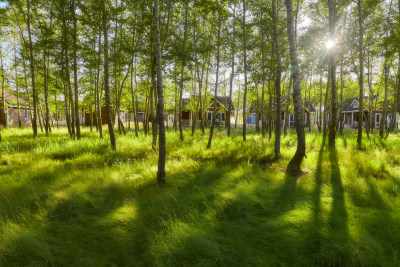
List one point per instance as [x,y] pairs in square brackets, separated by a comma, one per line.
[378,117]
[209,116]
[355,116]
[26,114]
[223,116]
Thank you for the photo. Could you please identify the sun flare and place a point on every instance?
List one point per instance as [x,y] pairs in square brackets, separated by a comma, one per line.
[330,44]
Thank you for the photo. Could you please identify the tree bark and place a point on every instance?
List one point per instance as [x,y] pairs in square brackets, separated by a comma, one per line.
[134,106]
[176,99]
[277,149]
[182,70]
[160,106]
[341,126]
[238,107]
[106,78]
[295,163]
[287,118]
[16,80]
[216,81]
[233,71]
[99,102]
[245,71]
[361,77]
[3,91]
[34,125]
[393,122]
[332,63]
[77,122]
[384,114]
[324,125]
[154,103]
[46,95]
[263,78]
[270,113]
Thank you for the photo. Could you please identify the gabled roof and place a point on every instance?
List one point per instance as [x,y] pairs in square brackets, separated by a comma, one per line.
[185,102]
[220,99]
[309,106]
[352,104]
[11,99]
[224,100]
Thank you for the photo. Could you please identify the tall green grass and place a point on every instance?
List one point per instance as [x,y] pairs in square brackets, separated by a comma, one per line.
[66,202]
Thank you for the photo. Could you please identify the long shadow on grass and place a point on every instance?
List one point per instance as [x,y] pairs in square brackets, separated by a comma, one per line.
[338,228]
[379,225]
[81,229]
[314,236]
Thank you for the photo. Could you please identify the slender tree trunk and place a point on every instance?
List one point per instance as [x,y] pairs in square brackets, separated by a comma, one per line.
[361,77]
[393,122]
[309,102]
[233,72]
[216,81]
[176,99]
[195,106]
[106,77]
[160,105]
[324,126]
[341,100]
[16,80]
[201,111]
[71,98]
[46,95]
[78,127]
[57,112]
[332,63]
[263,78]
[384,114]
[99,102]
[277,82]
[134,107]
[26,86]
[245,71]
[205,124]
[68,91]
[295,163]
[257,109]
[320,105]
[34,125]
[182,70]
[145,113]
[285,129]
[238,107]
[91,114]
[154,111]
[3,91]
[40,117]
[370,96]
[270,115]
[194,114]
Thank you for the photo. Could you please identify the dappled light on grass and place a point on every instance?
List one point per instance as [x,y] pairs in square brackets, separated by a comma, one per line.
[66,202]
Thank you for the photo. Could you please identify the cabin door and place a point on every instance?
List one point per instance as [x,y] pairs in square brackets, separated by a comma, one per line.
[377,120]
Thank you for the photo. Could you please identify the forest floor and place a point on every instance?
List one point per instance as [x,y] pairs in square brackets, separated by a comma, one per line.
[66,202]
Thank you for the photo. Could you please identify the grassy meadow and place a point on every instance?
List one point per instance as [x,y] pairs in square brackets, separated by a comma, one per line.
[77,203]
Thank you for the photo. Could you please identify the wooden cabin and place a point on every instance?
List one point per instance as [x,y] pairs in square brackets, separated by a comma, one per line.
[9,116]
